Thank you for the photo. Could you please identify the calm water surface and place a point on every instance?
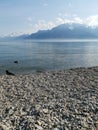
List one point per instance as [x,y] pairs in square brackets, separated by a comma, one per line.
[47,55]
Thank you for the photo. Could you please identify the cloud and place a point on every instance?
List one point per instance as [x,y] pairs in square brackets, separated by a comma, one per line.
[60,20]
[73,19]
[78,20]
[92,21]
[42,24]
[30,21]
[13,34]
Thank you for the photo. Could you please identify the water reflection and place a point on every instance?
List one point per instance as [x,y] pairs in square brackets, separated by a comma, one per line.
[36,55]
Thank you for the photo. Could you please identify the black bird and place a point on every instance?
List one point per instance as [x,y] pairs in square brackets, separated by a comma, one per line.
[9,73]
[16,62]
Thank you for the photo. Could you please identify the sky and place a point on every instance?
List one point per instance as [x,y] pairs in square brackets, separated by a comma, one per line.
[28,16]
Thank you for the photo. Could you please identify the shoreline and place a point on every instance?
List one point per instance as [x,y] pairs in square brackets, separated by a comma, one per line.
[56,100]
[39,71]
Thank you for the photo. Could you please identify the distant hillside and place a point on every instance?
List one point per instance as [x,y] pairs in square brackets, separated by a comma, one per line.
[6,38]
[66,31]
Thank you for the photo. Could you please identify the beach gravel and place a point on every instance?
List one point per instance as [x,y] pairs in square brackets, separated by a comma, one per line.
[57,100]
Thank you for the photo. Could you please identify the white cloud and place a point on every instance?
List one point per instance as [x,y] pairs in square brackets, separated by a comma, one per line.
[78,20]
[60,21]
[74,15]
[44,25]
[29,19]
[92,21]
[13,34]
[73,19]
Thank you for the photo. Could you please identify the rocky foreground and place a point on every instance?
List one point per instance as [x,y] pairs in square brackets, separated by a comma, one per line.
[60,100]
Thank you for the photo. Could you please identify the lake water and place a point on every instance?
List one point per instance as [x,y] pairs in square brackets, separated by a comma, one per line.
[47,55]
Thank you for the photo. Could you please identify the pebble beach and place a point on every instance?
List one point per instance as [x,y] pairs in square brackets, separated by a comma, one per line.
[57,100]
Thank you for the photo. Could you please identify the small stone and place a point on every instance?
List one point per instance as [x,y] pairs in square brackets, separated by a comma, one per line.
[11,111]
[37,107]
[0,118]
[66,128]
[45,111]
[38,127]
[39,123]
[96,124]
[84,124]
[56,129]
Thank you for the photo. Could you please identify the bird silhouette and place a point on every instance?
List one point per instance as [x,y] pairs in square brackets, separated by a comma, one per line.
[16,62]
[9,73]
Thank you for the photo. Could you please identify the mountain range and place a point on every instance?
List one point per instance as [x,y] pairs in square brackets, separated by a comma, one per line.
[64,31]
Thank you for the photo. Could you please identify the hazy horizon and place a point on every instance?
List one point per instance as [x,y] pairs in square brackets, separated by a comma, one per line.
[27,16]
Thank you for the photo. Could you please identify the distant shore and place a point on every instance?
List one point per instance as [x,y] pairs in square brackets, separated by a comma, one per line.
[56,100]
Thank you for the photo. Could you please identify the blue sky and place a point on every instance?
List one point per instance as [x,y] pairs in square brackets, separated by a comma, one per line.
[27,16]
